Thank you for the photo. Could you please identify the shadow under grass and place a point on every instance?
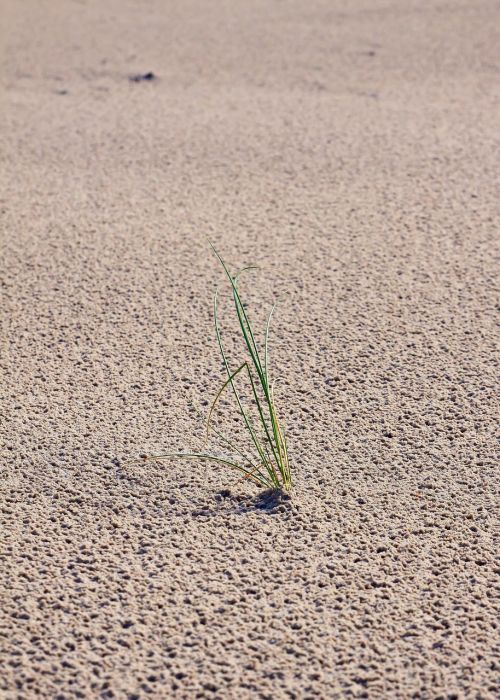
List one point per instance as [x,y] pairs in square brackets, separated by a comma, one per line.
[270,502]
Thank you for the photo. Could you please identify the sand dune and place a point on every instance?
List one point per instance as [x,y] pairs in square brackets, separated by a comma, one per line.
[350,150]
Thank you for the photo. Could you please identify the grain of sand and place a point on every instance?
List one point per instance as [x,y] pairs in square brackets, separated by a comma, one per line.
[349,150]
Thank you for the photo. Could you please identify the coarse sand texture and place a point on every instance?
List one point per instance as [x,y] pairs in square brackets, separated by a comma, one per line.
[349,150]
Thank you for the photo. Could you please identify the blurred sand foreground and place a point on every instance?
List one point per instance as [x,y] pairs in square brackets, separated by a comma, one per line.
[348,149]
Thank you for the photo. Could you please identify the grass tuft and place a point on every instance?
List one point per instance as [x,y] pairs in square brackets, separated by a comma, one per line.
[267,463]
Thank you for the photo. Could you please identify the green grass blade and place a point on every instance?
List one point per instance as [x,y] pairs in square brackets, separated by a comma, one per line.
[270,466]
[244,269]
[248,424]
[242,316]
[277,443]
[266,342]
[235,448]
[211,458]
[219,393]
[263,421]
[268,463]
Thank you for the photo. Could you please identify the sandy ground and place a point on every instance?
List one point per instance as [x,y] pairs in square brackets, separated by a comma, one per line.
[349,150]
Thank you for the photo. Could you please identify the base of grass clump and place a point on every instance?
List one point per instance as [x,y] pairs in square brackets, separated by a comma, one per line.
[266,462]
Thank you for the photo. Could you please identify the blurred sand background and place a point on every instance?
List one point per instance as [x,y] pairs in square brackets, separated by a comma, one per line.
[351,151]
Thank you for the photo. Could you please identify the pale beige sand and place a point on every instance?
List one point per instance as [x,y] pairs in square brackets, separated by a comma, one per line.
[349,150]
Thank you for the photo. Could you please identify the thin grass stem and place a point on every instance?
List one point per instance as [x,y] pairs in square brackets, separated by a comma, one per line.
[270,466]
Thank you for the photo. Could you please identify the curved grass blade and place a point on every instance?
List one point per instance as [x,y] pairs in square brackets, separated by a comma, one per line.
[212,458]
[266,340]
[248,424]
[279,448]
[264,425]
[271,469]
[218,395]
[234,447]
[242,315]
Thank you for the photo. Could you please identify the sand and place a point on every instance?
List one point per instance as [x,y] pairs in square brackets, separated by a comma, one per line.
[348,149]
